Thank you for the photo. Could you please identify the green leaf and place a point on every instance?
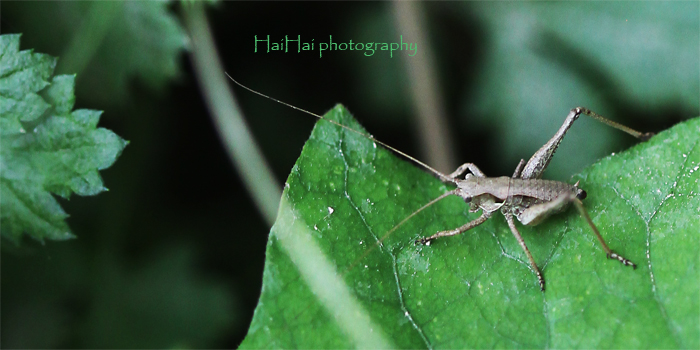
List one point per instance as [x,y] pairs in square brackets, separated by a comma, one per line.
[476,289]
[45,146]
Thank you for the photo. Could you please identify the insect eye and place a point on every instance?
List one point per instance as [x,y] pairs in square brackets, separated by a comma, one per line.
[581,194]
[467,199]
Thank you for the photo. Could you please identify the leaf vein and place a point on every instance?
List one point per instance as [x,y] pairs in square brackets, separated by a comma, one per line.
[657,297]
[407,314]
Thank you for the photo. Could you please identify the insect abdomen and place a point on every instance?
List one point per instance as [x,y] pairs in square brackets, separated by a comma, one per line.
[545,190]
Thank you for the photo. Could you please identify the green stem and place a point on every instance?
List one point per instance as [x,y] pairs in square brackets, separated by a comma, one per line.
[232,128]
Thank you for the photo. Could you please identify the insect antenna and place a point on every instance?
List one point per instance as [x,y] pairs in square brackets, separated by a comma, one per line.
[441,176]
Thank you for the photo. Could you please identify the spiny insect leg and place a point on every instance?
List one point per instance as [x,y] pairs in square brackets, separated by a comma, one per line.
[516,233]
[610,254]
[519,169]
[474,223]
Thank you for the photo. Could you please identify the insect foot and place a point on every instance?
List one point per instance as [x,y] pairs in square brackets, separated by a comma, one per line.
[424,241]
[540,278]
[613,255]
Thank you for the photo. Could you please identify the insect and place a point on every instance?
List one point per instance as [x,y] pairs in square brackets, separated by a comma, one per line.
[524,195]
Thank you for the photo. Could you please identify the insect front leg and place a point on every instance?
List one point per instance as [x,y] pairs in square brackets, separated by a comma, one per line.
[468,226]
[516,233]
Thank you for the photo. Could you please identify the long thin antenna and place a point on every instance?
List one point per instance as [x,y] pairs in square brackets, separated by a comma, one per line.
[440,175]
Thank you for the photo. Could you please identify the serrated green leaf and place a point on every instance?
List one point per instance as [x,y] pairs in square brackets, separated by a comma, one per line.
[476,289]
[22,71]
[45,146]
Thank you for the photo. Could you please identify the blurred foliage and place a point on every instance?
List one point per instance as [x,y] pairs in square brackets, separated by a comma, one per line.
[169,306]
[615,58]
[518,68]
[107,43]
[477,290]
[161,302]
[175,183]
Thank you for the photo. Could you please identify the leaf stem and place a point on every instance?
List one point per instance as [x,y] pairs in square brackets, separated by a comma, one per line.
[228,119]
[432,128]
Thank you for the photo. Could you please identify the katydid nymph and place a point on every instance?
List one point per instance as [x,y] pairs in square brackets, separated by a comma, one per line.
[524,195]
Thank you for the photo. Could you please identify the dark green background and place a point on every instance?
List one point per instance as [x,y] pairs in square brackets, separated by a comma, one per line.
[173,254]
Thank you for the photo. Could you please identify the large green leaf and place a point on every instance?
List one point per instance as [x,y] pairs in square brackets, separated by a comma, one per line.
[328,284]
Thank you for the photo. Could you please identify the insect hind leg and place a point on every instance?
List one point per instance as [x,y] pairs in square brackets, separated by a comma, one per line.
[610,254]
[536,213]
[539,161]
[516,233]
